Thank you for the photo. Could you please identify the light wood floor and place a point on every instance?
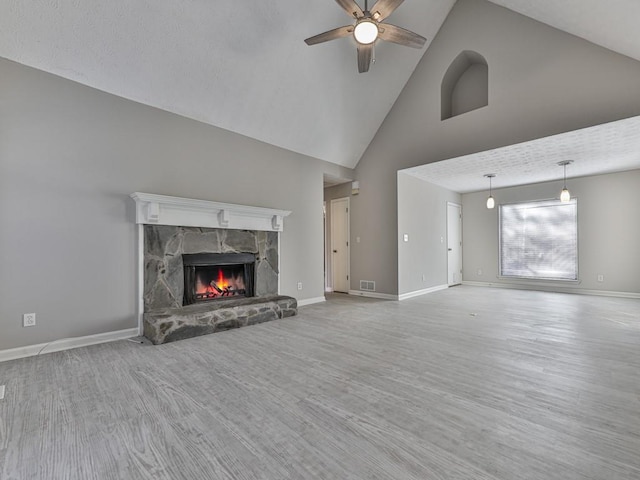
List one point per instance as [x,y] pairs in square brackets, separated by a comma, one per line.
[466,383]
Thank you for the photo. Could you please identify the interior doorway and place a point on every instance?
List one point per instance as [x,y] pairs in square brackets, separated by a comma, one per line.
[340,249]
[454,243]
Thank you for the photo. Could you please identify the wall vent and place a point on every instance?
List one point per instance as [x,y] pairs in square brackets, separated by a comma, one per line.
[367,285]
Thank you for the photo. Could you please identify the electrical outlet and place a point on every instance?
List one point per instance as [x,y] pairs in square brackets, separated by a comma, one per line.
[479,272]
[424,278]
[1,392]
[600,278]
[29,320]
[299,285]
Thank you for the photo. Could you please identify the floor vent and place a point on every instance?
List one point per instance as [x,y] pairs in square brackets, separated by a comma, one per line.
[367,285]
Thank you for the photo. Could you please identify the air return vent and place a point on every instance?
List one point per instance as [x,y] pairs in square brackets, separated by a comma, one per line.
[367,285]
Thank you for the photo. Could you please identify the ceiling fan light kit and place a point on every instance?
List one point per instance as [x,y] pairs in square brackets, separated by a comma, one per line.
[365,32]
[368,28]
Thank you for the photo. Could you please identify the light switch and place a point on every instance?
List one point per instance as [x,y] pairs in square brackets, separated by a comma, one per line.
[406,237]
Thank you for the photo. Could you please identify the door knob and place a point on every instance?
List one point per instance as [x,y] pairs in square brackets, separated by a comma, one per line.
[450,249]
[335,251]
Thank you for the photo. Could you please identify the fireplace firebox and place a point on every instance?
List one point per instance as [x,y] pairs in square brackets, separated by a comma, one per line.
[216,276]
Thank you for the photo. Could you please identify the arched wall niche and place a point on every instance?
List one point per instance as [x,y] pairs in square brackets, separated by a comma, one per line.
[465,85]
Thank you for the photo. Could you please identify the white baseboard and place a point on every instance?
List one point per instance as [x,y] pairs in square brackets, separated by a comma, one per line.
[383,296]
[418,293]
[328,289]
[310,301]
[552,288]
[66,344]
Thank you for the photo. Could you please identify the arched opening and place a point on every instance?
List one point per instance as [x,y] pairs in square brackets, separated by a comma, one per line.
[465,86]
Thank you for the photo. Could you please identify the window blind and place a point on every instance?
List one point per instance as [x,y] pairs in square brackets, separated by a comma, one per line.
[539,240]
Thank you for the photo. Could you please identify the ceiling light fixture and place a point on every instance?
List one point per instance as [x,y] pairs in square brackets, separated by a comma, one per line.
[565,196]
[491,203]
[366,31]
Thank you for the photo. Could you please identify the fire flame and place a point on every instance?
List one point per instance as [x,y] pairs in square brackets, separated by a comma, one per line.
[219,287]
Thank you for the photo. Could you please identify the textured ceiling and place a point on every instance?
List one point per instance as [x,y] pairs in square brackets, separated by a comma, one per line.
[243,66]
[607,148]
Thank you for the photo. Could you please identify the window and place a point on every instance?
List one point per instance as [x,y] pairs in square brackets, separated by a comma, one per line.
[539,240]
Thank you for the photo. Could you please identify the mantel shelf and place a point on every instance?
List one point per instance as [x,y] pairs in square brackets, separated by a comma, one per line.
[187,212]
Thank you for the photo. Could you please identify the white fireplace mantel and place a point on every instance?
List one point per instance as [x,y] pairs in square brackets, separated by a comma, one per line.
[187,212]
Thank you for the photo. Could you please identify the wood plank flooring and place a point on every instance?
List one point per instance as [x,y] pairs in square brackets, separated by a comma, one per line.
[465,383]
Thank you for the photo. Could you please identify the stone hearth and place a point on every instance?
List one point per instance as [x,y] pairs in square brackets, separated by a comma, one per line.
[168,325]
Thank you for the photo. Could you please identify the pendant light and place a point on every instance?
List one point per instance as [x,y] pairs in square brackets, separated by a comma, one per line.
[565,196]
[491,203]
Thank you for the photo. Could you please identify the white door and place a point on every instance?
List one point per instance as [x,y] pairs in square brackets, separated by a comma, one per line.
[454,243]
[340,244]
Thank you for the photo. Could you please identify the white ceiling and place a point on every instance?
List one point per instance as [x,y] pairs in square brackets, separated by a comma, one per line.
[243,66]
[239,65]
[607,148]
[612,24]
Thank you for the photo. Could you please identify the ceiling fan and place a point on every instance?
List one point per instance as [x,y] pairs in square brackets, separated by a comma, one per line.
[368,28]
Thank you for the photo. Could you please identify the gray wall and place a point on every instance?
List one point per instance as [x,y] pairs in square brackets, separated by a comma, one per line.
[541,82]
[69,158]
[422,214]
[608,231]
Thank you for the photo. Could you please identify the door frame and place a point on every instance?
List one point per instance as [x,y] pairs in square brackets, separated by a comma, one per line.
[326,248]
[333,240]
[459,206]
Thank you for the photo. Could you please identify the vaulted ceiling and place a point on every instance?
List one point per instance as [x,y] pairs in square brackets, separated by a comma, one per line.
[243,66]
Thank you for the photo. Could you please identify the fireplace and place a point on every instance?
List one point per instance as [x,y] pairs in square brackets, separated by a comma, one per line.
[171,251]
[217,276]
[200,261]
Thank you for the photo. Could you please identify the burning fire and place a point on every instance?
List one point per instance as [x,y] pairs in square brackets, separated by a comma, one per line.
[219,287]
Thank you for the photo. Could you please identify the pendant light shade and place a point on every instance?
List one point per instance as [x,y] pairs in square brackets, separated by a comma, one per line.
[565,196]
[491,203]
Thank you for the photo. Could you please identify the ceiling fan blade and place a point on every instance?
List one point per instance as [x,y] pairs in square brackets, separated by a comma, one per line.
[398,35]
[330,35]
[383,8]
[351,7]
[365,52]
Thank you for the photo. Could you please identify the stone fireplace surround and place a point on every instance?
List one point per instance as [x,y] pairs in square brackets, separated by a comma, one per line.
[170,227]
